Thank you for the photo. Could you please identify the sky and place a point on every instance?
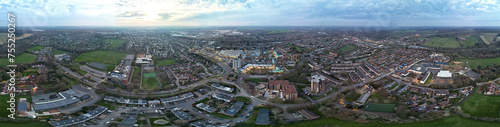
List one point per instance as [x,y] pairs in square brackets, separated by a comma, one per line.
[378,13]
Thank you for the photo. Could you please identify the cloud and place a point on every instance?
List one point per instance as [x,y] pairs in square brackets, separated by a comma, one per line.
[131,14]
[255,12]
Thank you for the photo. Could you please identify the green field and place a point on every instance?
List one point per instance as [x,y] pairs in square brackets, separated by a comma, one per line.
[115,43]
[474,63]
[4,105]
[380,107]
[166,62]
[21,59]
[56,52]
[150,83]
[279,31]
[405,31]
[101,56]
[149,75]
[429,79]
[107,104]
[471,41]
[452,121]
[488,37]
[348,48]
[298,49]
[3,38]
[36,48]
[24,124]
[447,42]
[482,105]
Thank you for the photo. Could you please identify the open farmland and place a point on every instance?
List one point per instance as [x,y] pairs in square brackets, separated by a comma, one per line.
[21,59]
[482,105]
[470,42]
[474,63]
[447,42]
[488,37]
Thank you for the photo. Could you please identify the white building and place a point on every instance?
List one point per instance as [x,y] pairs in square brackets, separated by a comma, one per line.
[444,74]
[236,63]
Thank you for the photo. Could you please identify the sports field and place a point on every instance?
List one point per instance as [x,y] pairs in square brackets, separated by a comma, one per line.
[101,56]
[150,83]
[380,107]
[474,63]
[36,48]
[167,62]
[115,43]
[447,42]
[482,105]
[21,59]
[149,75]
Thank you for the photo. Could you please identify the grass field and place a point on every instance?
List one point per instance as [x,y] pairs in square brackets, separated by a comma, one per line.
[482,105]
[352,97]
[447,42]
[488,37]
[429,79]
[452,121]
[474,63]
[55,52]
[115,43]
[166,62]
[150,83]
[149,75]
[36,48]
[4,105]
[471,41]
[24,124]
[21,59]
[279,31]
[102,56]
[297,48]
[348,48]
[380,107]
[3,38]
[405,31]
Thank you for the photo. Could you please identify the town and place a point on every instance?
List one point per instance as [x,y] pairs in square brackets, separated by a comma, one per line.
[238,77]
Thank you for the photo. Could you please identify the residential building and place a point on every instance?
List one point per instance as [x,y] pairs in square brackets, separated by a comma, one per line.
[283,88]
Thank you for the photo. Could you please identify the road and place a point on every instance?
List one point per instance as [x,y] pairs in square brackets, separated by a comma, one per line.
[186,105]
